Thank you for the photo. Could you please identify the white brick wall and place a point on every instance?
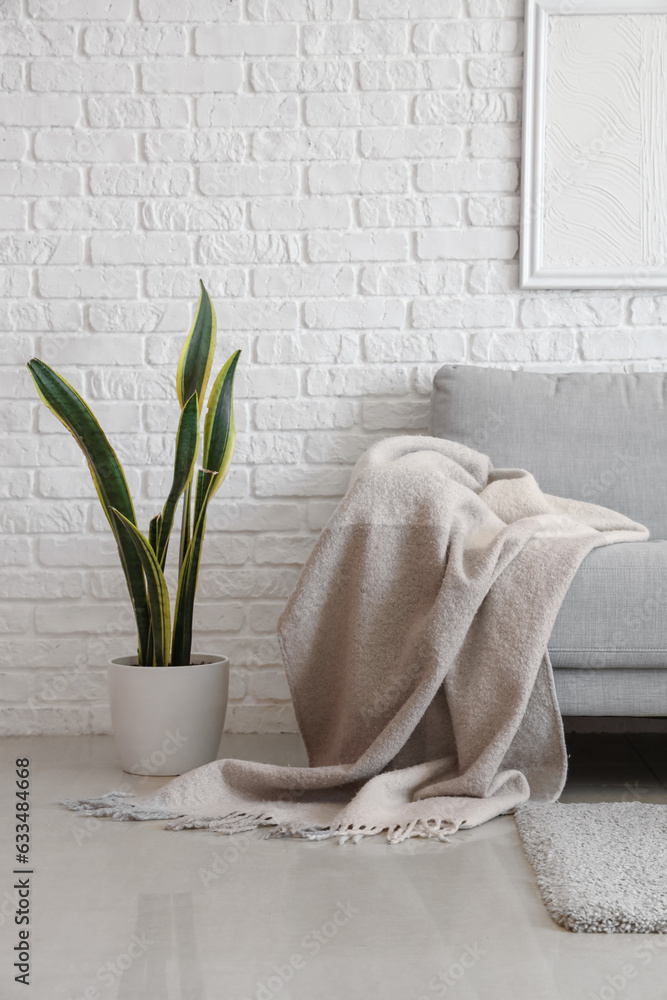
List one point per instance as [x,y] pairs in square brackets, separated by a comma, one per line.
[343,174]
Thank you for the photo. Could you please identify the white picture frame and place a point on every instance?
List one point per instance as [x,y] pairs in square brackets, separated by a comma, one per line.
[594,207]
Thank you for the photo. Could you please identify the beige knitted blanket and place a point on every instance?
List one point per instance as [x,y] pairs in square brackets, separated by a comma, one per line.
[415,648]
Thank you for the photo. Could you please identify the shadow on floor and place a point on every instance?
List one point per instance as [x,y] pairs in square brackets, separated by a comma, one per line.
[622,767]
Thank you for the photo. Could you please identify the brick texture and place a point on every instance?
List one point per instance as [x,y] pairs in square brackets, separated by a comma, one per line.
[344,177]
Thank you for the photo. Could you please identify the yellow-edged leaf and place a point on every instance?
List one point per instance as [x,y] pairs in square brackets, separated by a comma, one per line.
[158,594]
[194,364]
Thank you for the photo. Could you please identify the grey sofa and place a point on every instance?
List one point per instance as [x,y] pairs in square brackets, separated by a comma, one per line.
[600,437]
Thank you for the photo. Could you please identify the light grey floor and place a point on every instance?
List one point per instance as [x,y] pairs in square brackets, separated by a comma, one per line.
[128,911]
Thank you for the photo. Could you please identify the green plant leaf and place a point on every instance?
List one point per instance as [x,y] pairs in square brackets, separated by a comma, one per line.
[187,445]
[219,439]
[108,476]
[185,525]
[158,594]
[181,645]
[194,368]
[219,427]
[154,532]
[194,364]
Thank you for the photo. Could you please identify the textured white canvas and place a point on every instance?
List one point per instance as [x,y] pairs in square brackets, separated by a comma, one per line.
[606,139]
[595,214]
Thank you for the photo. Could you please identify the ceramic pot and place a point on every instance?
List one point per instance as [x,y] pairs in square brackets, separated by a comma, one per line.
[168,720]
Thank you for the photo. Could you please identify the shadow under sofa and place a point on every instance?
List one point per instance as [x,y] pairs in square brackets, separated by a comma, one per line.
[600,437]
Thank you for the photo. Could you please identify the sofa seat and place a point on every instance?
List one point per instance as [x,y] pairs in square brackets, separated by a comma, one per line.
[601,437]
[613,615]
[609,643]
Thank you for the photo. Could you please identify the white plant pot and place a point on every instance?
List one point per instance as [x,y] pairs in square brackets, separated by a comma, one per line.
[168,720]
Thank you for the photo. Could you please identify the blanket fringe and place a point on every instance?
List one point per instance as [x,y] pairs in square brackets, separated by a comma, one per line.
[118,806]
[236,822]
[431,829]
[121,807]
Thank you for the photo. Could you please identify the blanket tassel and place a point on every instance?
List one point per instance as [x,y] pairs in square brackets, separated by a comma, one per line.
[121,807]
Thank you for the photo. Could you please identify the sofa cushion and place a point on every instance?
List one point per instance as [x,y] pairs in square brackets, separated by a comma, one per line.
[614,612]
[600,437]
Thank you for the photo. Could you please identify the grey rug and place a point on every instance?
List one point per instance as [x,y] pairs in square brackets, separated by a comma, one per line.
[601,867]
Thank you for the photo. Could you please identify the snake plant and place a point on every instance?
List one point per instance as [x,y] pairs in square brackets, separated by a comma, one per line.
[143,557]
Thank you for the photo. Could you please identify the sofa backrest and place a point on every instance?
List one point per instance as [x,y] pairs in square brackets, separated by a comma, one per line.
[600,437]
